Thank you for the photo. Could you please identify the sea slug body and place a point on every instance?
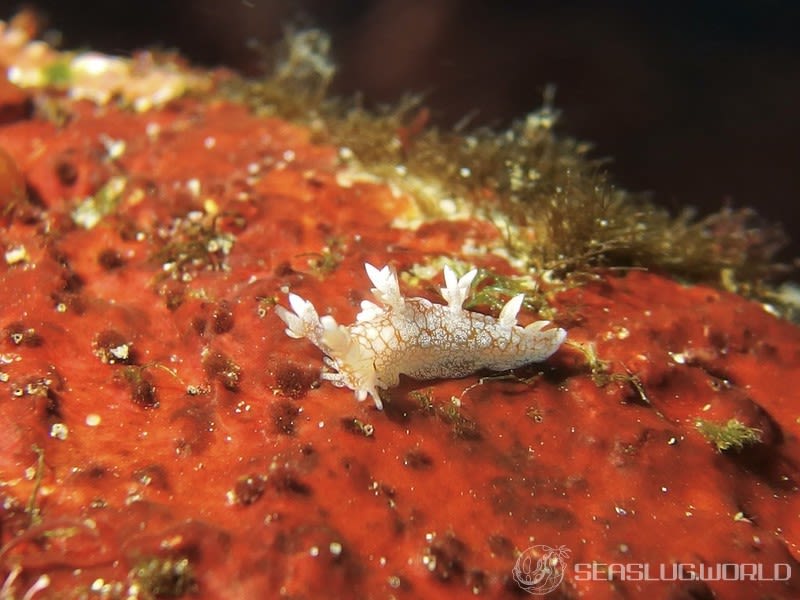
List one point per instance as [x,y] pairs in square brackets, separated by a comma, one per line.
[415,337]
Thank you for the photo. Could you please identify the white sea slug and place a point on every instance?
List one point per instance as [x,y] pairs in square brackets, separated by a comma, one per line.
[415,337]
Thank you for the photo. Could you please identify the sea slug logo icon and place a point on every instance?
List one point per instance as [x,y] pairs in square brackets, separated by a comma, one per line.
[540,569]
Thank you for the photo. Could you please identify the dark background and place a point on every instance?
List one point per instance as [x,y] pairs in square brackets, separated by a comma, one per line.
[697,103]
